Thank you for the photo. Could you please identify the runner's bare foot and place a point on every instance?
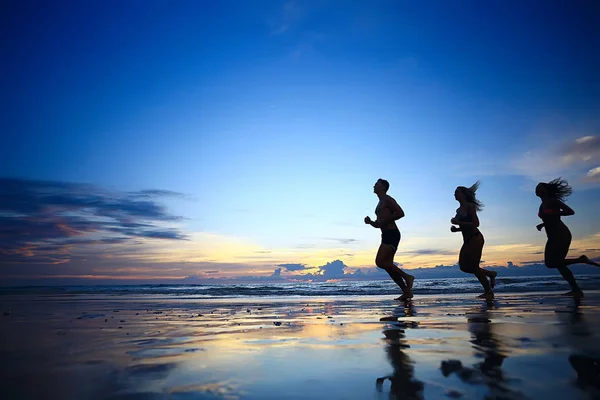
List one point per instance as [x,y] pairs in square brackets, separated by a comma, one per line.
[586,260]
[405,296]
[409,281]
[486,295]
[574,293]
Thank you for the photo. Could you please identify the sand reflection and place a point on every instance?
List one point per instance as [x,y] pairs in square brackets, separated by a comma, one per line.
[489,347]
[584,357]
[402,381]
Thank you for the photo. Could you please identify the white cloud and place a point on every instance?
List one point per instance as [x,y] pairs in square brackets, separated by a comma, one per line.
[593,175]
[585,139]
[584,149]
[571,159]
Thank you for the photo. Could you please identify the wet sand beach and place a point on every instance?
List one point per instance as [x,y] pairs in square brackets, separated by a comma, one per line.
[535,345]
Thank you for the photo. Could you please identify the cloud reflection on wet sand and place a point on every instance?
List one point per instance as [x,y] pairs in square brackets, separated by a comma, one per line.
[525,346]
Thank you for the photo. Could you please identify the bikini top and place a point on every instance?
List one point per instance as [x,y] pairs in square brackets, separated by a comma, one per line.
[546,213]
[463,216]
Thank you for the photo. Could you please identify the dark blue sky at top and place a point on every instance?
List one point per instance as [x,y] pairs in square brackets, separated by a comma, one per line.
[76,69]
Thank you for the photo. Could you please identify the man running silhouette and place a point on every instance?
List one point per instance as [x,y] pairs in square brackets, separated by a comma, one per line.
[388,212]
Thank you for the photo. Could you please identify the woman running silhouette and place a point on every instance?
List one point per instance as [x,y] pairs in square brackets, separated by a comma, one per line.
[470,253]
[553,194]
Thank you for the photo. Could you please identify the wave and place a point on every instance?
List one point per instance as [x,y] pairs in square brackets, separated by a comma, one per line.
[304,289]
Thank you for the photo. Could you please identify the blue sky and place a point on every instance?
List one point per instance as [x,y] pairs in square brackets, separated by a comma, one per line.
[272,120]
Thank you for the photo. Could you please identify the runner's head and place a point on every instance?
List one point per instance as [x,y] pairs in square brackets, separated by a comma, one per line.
[381,186]
[557,188]
[468,195]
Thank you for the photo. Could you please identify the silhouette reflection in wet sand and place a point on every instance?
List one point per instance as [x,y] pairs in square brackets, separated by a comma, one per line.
[588,372]
[488,346]
[586,359]
[403,384]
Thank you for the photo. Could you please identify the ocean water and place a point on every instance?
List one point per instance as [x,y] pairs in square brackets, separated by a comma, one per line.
[301,289]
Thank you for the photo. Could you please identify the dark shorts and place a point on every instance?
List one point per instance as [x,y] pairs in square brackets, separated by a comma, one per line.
[391,237]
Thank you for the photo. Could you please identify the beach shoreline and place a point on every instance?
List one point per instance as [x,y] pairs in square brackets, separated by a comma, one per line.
[151,297]
[521,345]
